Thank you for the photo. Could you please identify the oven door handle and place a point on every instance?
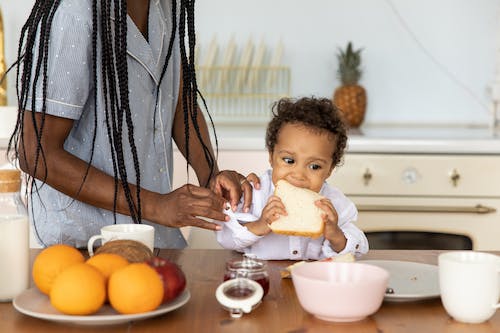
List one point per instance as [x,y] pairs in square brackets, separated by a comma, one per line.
[478,209]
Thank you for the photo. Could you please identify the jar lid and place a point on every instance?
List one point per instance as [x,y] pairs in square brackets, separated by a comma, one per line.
[247,263]
[10,180]
[240,295]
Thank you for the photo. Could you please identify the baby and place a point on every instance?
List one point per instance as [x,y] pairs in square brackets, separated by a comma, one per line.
[305,139]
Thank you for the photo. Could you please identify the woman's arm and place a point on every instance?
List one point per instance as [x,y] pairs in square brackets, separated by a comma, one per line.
[65,172]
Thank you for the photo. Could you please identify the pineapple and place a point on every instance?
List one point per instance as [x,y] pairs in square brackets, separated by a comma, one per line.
[350,97]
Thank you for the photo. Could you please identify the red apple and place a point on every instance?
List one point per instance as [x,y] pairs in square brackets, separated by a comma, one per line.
[173,278]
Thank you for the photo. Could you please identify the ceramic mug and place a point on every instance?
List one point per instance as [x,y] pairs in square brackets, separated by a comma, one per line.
[139,232]
[470,285]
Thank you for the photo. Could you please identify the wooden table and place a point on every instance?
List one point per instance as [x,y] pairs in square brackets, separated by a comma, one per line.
[279,312]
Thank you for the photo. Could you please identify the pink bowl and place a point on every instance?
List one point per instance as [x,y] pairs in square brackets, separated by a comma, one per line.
[340,291]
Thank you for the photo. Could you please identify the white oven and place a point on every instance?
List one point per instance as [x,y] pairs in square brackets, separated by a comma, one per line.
[433,196]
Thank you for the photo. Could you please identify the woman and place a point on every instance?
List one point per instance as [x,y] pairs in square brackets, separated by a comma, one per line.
[104,87]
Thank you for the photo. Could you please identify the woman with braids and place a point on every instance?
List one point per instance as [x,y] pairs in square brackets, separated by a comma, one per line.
[103,88]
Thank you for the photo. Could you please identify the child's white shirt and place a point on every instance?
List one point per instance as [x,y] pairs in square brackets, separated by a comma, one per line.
[234,235]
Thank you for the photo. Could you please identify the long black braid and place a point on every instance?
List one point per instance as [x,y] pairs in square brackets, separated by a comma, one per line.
[114,69]
[190,91]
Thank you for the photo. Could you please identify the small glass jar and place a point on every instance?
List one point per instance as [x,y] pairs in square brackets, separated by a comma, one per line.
[250,268]
[14,237]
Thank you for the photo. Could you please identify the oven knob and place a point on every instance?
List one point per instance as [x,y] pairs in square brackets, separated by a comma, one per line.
[367,177]
[410,176]
[454,177]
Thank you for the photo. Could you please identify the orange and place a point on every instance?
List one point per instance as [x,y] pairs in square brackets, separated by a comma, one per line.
[136,288]
[52,261]
[78,290]
[107,263]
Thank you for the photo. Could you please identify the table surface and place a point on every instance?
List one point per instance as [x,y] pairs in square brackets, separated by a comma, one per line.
[280,310]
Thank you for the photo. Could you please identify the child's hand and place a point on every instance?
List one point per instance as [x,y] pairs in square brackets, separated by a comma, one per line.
[332,231]
[271,212]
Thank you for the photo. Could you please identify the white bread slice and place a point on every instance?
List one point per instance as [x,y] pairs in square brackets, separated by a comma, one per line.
[304,217]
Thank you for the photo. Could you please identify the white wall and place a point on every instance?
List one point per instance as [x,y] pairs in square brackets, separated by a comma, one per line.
[14,14]
[437,72]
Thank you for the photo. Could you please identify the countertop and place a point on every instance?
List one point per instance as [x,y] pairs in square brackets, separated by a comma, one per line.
[280,310]
[385,139]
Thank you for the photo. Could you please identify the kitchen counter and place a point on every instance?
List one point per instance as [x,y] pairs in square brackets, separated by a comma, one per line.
[279,311]
[385,139]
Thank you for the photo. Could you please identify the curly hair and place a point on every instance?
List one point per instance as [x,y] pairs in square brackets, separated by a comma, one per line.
[316,113]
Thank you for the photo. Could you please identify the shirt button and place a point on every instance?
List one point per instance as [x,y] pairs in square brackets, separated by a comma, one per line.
[162,169]
[357,246]
[295,252]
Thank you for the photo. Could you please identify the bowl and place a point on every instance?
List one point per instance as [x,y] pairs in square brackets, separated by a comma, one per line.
[340,291]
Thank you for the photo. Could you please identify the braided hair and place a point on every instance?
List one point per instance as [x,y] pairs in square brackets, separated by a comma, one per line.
[113,42]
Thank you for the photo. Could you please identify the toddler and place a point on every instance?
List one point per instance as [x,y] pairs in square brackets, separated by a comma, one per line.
[305,139]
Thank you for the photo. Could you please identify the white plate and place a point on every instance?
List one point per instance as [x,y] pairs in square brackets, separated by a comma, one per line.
[410,281]
[35,304]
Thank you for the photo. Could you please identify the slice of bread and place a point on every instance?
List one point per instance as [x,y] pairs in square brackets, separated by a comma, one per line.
[304,217]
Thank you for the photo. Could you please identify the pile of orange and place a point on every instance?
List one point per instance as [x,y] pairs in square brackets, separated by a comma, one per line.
[77,286]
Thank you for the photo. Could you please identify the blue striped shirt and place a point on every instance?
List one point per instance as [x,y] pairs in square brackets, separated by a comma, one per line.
[57,217]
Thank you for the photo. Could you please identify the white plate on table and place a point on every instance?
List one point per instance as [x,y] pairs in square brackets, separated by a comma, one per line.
[409,281]
[35,304]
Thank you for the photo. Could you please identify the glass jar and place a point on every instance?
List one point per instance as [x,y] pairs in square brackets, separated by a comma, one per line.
[250,268]
[14,237]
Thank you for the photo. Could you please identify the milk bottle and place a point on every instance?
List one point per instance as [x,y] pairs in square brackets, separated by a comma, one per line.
[14,237]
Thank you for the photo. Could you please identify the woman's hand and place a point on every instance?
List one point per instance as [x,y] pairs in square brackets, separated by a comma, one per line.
[189,205]
[332,231]
[271,212]
[231,186]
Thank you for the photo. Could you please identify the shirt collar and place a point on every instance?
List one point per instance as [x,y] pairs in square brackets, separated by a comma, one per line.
[149,55]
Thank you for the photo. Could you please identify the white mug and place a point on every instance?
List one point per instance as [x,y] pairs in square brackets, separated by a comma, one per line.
[470,285]
[143,233]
